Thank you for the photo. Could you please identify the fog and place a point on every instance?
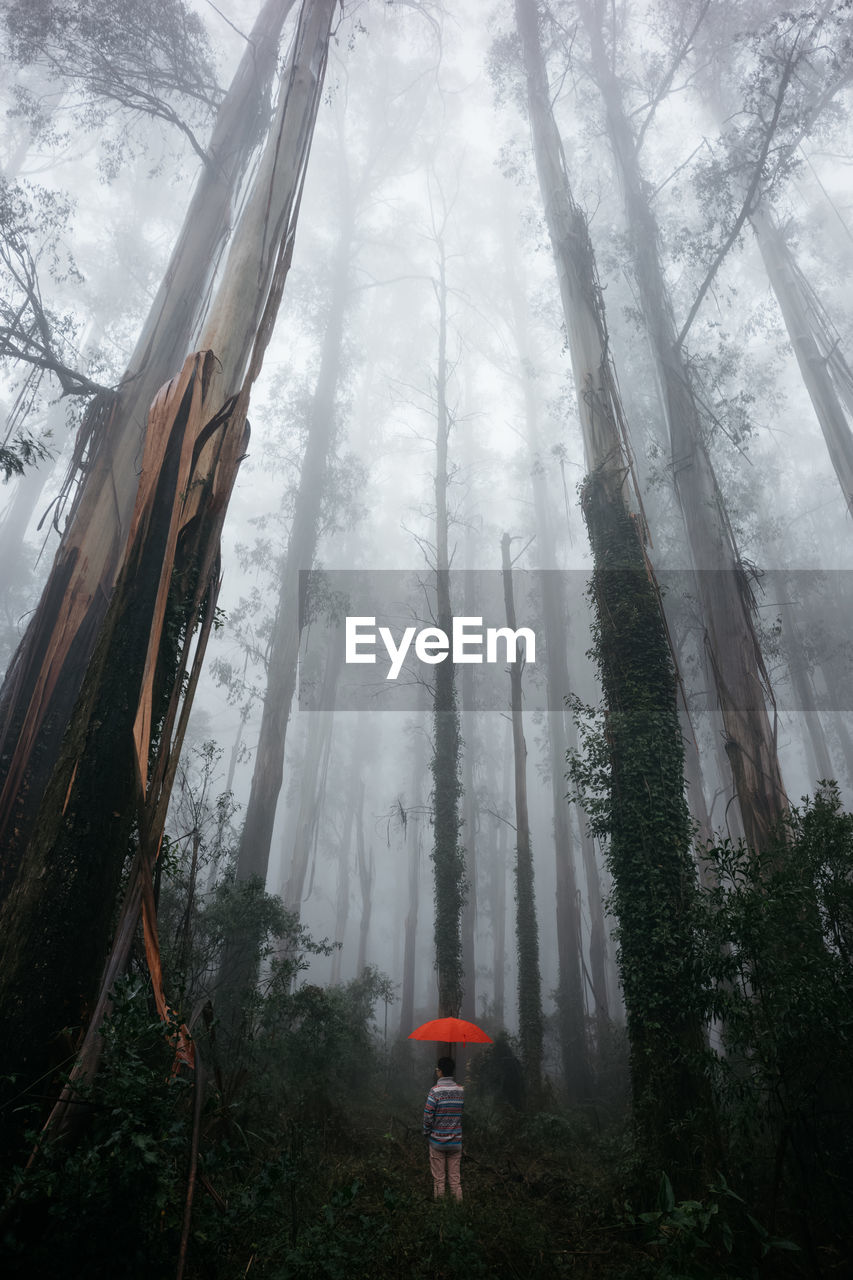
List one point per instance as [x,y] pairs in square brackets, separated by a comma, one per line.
[422,284]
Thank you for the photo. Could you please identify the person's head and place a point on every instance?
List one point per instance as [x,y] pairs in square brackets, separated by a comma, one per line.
[446,1066]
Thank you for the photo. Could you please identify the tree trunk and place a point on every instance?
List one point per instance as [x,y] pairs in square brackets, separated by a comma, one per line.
[469,820]
[46,673]
[826,374]
[342,902]
[570,1004]
[447,854]
[649,824]
[526,925]
[364,858]
[817,749]
[137,690]
[740,677]
[315,767]
[499,889]
[414,841]
[268,772]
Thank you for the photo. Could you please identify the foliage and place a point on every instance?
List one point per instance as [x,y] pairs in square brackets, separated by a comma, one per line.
[631,784]
[715,1237]
[32,223]
[150,57]
[497,1073]
[118,1193]
[777,929]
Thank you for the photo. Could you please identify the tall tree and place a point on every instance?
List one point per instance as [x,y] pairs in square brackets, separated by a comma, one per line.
[570,1004]
[110,787]
[315,766]
[46,673]
[649,829]
[526,924]
[366,151]
[447,853]
[734,653]
[826,374]
[268,770]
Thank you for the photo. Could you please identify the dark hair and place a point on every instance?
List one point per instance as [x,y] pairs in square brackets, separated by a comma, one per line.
[446,1066]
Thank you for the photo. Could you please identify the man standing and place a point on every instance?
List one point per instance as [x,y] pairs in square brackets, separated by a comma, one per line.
[443,1127]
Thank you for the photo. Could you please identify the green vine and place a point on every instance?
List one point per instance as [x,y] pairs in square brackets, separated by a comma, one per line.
[632,784]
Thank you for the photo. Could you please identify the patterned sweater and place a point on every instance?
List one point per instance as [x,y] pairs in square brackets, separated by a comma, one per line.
[443,1114]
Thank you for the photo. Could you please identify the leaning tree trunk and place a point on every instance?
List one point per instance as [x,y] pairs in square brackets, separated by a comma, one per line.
[740,676]
[110,786]
[827,377]
[47,671]
[649,823]
[526,925]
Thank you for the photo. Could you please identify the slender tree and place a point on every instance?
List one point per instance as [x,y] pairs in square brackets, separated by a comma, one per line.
[366,877]
[526,924]
[469,809]
[414,846]
[315,767]
[447,854]
[555,628]
[826,374]
[268,771]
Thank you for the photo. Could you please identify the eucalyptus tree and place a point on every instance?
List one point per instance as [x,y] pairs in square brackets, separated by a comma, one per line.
[148,57]
[805,57]
[368,148]
[47,671]
[470,813]
[740,677]
[641,758]
[497,881]
[412,817]
[315,767]
[447,855]
[570,1002]
[526,924]
[110,786]
[73,65]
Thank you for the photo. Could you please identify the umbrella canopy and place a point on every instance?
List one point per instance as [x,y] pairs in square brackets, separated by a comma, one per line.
[451,1031]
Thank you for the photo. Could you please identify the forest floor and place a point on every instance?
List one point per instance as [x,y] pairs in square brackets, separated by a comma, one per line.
[544,1196]
[341,1190]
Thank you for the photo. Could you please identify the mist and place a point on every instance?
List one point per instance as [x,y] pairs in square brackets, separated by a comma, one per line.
[425,594]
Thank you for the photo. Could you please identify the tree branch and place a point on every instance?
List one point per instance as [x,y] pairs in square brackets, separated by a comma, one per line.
[750,199]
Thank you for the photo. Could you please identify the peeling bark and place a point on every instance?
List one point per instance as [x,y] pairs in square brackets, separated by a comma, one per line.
[118,758]
[45,675]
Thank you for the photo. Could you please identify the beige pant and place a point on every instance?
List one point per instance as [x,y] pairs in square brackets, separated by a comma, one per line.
[441,1162]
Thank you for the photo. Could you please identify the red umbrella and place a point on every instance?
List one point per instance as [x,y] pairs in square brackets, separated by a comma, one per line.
[450,1031]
